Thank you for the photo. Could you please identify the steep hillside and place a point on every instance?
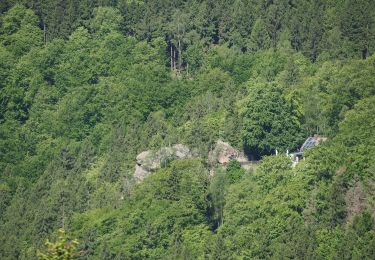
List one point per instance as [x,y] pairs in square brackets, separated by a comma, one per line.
[86,87]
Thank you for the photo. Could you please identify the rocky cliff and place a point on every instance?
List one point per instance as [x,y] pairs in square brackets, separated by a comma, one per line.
[151,160]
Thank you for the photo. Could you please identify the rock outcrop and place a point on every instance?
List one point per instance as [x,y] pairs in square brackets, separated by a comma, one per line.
[149,161]
[152,160]
[224,152]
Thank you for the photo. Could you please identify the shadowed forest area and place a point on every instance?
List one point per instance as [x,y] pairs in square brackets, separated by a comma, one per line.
[87,85]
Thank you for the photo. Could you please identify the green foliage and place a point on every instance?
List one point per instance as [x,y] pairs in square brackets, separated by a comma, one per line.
[85,86]
[269,122]
[106,19]
[61,249]
[217,193]
[358,25]
[234,172]
[163,216]
[19,31]
[259,39]
[263,208]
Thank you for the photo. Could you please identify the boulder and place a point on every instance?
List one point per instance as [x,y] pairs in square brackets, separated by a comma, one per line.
[140,172]
[151,160]
[224,152]
[181,151]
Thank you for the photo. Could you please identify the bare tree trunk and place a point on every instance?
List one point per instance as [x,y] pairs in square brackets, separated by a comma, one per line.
[174,59]
[45,34]
[171,58]
[179,54]
[63,216]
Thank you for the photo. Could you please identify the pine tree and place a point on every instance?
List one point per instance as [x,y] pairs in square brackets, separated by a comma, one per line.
[259,39]
[358,24]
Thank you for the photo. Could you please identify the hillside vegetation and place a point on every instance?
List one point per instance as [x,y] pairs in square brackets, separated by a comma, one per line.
[85,86]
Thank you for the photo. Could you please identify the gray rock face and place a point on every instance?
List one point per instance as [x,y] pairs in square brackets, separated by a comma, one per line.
[224,152]
[149,161]
[140,172]
[181,151]
[152,160]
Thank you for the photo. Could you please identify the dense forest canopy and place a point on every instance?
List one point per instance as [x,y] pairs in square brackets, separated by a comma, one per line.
[86,86]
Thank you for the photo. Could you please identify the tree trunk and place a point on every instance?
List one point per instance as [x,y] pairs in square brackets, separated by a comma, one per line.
[174,58]
[179,54]
[364,54]
[171,57]
[44,34]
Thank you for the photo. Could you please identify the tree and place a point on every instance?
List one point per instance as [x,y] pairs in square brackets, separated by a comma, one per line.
[76,111]
[269,122]
[234,172]
[177,31]
[358,24]
[61,249]
[259,38]
[334,45]
[19,31]
[217,192]
[274,19]
[106,20]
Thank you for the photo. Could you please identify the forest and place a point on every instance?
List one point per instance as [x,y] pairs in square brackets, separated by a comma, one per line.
[86,86]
